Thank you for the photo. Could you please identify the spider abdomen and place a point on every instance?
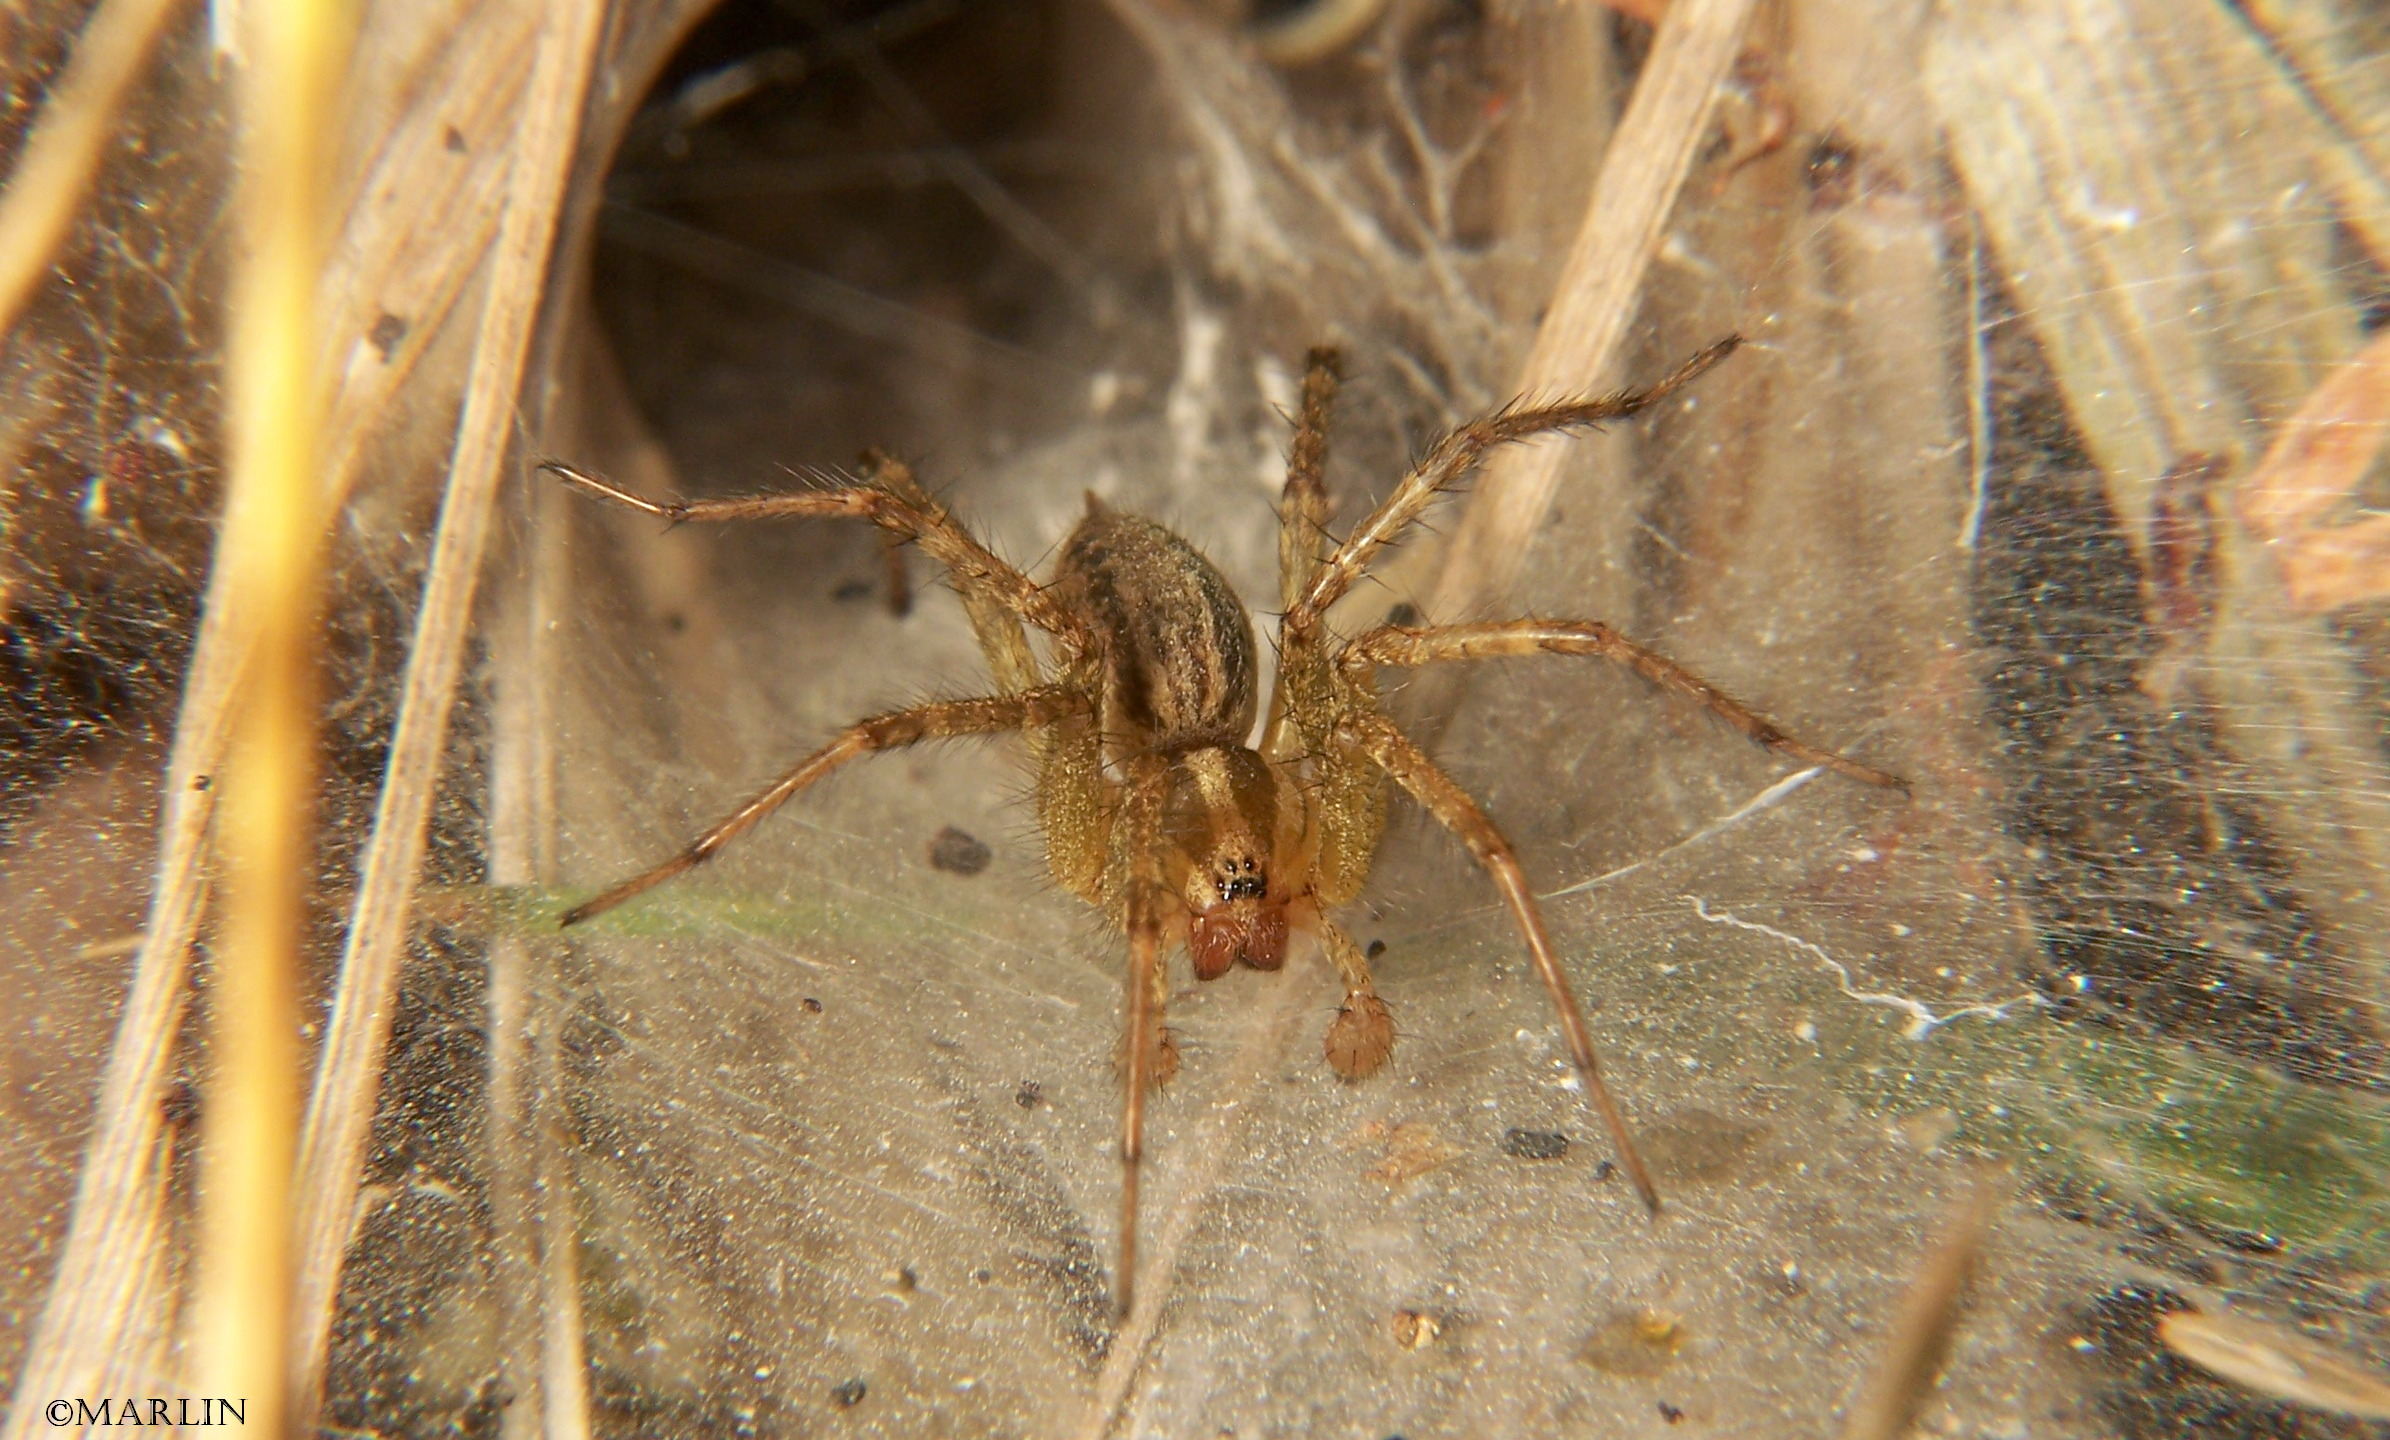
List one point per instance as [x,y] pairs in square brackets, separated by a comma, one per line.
[1175,642]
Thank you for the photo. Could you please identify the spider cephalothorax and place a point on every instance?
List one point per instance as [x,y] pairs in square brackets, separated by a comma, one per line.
[1158,803]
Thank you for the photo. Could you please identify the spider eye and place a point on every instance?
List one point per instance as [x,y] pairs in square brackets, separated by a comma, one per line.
[1240,878]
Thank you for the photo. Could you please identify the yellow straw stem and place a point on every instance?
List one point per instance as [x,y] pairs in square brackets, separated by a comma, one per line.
[66,145]
[272,548]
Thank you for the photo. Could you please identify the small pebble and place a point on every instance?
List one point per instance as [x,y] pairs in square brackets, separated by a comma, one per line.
[1415,1328]
[1534,1144]
[959,853]
[851,1394]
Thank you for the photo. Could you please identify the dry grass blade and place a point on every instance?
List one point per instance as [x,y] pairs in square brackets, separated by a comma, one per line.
[97,1302]
[1594,301]
[535,1229]
[2272,1360]
[64,150]
[446,151]
[349,1069]
[100,1300]
[1920,1337]
[272,550]
[564,1372]
[2328,55]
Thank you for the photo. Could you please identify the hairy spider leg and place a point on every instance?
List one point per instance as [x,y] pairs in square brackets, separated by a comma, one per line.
[1074,798]
[1137,863]
[988,715]
[1302,534]
[986,583]
[1416,773]
[1325,713]
[1451,459]
[1410,646]
[1443,798]
[1083,814]
[1346,799]
[1303,503]
[895,504]
[1073,795]
[996,596]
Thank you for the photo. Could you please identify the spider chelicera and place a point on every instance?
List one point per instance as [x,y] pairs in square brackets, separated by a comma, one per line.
[1154,807]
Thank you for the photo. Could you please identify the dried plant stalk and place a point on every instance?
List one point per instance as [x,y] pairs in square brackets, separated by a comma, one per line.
[272,548]
[2277,1361]
[443,146]
[64,150]
[1920,1337]
[1594,301]
[2330,61]
[348,1071]
[384,263]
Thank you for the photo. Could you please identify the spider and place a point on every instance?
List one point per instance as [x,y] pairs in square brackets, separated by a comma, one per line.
[1155,806]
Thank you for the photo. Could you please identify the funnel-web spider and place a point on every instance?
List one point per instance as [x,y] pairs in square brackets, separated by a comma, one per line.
[1154,808]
